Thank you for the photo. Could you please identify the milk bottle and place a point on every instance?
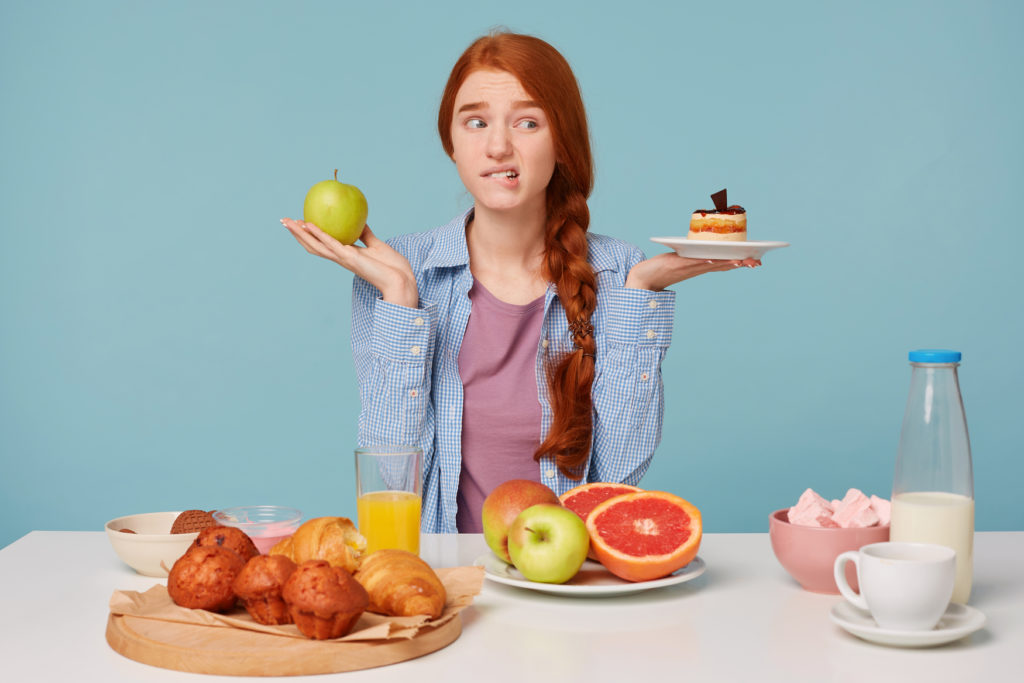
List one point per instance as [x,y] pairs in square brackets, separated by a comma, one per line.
[933,490]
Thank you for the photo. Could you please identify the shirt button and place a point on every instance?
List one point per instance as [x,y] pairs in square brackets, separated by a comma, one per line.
[544,343]
[643,377]
[550,474]
[418,322]
[415,350]
[652,303]
[651,334]
[414,393]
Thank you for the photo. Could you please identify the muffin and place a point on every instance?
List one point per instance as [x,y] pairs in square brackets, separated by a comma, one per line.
[202,578]
[259,587]
[228,537]
[191,521]
[324,601]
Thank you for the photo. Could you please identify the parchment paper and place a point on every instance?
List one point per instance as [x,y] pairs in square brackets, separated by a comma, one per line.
[460,583]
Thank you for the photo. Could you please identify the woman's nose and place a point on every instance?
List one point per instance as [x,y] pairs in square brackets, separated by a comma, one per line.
[499,143]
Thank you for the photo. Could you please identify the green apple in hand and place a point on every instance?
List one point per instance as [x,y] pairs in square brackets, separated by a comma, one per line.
[337,209]
[548,543]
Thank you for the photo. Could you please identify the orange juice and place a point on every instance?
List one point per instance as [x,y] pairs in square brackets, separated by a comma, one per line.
[390,519]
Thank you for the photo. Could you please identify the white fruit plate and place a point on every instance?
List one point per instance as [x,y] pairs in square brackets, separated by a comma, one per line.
[592,580]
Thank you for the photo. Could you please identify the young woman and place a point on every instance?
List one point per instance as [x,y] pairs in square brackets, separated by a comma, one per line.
[511,343]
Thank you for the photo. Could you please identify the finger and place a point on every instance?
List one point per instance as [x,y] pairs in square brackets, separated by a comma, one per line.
[326,239]
[311,243]
[368,238]
[720,266]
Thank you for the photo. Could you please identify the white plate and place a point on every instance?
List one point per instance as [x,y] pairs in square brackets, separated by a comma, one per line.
[718,250]
[592,580]
[957,622]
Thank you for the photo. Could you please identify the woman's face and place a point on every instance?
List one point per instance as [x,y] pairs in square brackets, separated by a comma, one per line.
[502,142]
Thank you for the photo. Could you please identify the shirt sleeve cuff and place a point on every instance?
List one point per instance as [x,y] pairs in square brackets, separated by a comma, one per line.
[640,316]
[404,334]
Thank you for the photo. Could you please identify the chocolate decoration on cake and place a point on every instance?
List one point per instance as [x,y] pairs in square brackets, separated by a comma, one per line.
[720,199]
[731,211]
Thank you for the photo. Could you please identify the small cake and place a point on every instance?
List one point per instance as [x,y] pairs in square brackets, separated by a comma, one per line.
[259,587]
[724,223]
[202,578]
[228,537]
[324,601]
[191,521]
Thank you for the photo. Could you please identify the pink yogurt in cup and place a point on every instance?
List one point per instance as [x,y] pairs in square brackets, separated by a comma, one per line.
[264,524]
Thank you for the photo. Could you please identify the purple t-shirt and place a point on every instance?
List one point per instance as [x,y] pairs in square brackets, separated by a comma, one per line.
[501,411]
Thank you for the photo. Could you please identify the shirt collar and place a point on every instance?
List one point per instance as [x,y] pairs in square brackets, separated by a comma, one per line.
[449,249]
[600,259]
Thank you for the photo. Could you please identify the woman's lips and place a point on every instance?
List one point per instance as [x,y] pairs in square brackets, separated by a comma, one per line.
[507,177]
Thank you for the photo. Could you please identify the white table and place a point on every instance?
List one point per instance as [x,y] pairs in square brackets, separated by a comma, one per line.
[743,620]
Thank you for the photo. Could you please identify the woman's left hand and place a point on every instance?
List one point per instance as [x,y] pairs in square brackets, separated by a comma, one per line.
[664,270]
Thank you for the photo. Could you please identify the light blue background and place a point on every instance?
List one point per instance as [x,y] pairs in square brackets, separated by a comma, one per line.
[166,344]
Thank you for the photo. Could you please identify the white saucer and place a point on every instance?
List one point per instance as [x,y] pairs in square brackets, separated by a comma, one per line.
[709,249]
[593,580]
[957,622]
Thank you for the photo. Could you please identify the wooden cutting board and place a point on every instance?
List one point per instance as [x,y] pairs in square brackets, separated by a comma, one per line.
[238,652]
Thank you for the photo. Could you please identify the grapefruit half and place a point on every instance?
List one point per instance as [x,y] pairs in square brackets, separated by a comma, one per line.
[644,535]
[586,497]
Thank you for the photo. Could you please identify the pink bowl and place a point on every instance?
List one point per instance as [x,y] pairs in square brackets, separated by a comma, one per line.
[808,553]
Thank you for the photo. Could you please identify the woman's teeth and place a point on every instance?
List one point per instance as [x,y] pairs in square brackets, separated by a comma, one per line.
[505,174]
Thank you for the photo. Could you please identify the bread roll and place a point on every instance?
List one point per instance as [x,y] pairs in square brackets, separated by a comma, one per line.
[334,539]
[400,584]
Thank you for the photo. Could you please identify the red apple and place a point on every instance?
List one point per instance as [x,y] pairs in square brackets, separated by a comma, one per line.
[504,504]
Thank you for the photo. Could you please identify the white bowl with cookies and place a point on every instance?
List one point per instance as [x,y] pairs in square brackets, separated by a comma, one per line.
[145,542]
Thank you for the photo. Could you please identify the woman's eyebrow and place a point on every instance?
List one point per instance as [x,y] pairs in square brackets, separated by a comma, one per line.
[518,104]
[526,104]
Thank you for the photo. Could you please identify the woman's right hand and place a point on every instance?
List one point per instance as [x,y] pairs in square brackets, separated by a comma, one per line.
[376,262]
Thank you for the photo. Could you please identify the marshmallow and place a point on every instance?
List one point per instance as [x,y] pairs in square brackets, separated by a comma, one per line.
[850,511]
[854,511]
[882,508]
[811,510]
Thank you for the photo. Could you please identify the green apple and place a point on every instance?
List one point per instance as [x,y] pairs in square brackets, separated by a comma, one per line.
[503,505]
[337,209]
[548,543]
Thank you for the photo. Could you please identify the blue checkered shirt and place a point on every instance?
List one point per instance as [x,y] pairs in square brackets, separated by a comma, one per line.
[407,363]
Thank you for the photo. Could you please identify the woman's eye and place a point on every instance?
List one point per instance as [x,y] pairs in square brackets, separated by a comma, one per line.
[475,123]
[527,124]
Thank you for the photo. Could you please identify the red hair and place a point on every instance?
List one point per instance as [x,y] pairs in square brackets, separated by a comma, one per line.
[547,77]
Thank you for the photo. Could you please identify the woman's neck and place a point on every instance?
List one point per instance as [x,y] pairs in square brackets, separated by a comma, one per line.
[506,253]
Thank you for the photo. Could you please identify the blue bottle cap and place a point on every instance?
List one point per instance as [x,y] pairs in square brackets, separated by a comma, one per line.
[934,356]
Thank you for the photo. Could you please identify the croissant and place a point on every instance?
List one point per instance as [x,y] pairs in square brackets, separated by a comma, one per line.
[334,539]
[400,584]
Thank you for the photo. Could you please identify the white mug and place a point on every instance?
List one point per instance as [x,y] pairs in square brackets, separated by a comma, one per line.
[905,586]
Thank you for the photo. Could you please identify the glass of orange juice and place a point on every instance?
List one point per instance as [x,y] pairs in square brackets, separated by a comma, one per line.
[389,486]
